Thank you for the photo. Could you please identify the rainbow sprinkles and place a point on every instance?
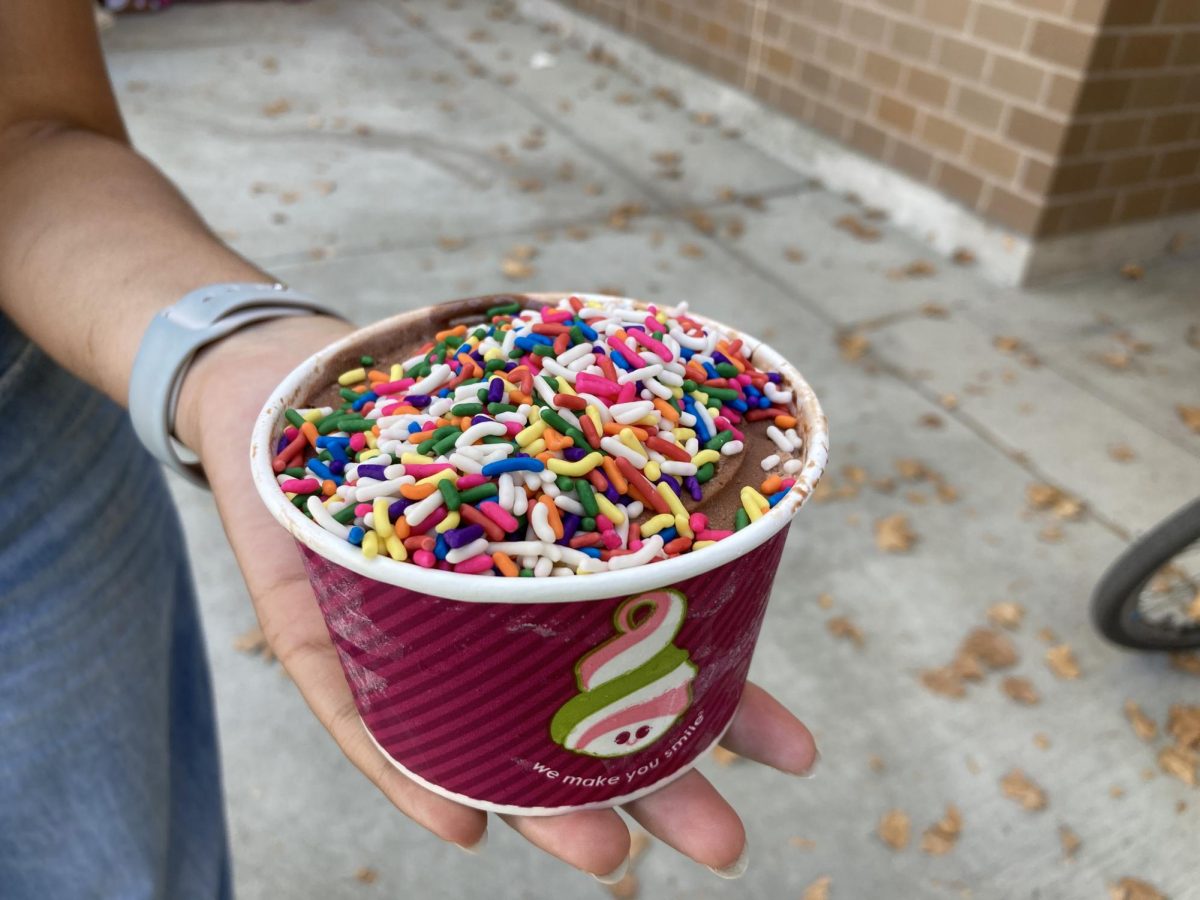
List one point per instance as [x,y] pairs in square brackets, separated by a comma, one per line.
[556,440]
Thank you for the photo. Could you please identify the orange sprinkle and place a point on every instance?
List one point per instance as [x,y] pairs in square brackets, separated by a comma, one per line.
[667,410]
[507,567]
[328,487]
[403,409]
[556,441]
[416,491]
[450,332]
[555,518]
[375,376]
[614,475]
[772,485]
[785,421]
[309,430]
[612,428]
[402,528]
[519,397]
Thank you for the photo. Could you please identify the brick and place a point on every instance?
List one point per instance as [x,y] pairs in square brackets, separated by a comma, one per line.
[1051,7]
[1089,12]
[910,159]
[1000,26]
[1104,53]
[1141,203]
[896,114]
[961,57]
[1179,163]
[1061,44]
[959,183]
[1145,51]
[911,40]
[978,108]
[716,35]
[778,62]
[1129,12]
[840,53]
[950,13]
[1117,134]
[1062,94]
[1183,198]
[943,134]
[866,25]
[793,103]
[927,86]
[1087,215]
[1035,130]
[993,157]
[1191,89]
[1156,91]
[867,138]
[853,95]
[1178,12]
[1010,209]
[827,14]
[1169,128]
[828,119]
[904,6]
[1016,78]
[1103,95]
[1128,170]
[1076,140]
[1075,178]
[1187,49]
[881,69]
[1037,176]
[814,77]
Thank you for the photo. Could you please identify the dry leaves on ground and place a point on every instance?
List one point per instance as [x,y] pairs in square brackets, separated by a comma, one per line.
[894,534]
[1042,497]
[993,648]
[1143,726]
[1061,660]
[1186,662]
[1121,453]
[1190,416]
[1006,614]
[691,251]
[1134,889]
[277,108]
[918,268]
[1179,762]
[1021,690]
[894,829]
[450,244]
[1070,842]
[794,254]
[1006,344]
[818,890]
[366,875]
[940,837]
[945,681]
[1020,787]
[853,345]
[963,257]
[859,229]
[1133,271]
[843,627]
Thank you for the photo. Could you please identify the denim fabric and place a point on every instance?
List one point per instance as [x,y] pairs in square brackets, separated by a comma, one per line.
[109,773]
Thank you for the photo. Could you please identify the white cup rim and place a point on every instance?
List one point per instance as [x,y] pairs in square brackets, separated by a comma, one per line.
[478,589]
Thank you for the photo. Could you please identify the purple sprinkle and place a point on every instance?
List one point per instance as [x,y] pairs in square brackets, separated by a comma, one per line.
[475,420]
[417,400]
[672,482]
[693,488]
[624,499]
[495,391]
[570,525]
[775,378]
[720,357]
[366,471]
[337,467]
[574,454]
[283,442]
[460,537]
[611,493]
[396,510]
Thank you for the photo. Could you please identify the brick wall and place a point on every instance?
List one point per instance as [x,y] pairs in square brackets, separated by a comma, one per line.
[1045,116]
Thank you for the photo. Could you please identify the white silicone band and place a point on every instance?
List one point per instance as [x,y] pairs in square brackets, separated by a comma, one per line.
[174,337]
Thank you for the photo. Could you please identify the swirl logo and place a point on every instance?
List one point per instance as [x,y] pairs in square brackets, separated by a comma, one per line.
[634,686]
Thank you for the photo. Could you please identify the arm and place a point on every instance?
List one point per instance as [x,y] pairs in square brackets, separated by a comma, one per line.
[93,242]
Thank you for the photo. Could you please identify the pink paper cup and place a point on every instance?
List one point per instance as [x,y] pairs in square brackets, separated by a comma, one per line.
[539,696]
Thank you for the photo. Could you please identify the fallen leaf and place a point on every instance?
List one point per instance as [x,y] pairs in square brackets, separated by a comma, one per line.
[918,268]
[894,534]
[801,843]
[934,311]
[1133,271]
[940,837]
[1121,452]
[1143,726]
[1019,787]
[1190,416]
[1006,344]
[1186,662]
[853,345]
[893,829]
[858,229]
[529,185]
[1021,690]
[794,254]
[875,763]
[1061,660]
[276,108]
[843,627]
[691,251]
[1006,614]
[516,269]
[994,648]
[963,257]
[1193,336]
[366,875]
[1183,724]
[1041,741]
[931,420]
[1134,889]
[1117,360]
[450,244]
[825,601]
[819,889]
[949,401]
[945,681]
[1070,842]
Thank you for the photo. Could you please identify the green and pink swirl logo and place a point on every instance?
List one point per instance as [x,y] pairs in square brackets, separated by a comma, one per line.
[634,686]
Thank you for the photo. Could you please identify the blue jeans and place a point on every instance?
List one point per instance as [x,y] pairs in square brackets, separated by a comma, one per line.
[109,772]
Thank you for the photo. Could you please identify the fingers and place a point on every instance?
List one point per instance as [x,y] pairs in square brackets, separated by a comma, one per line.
[692,817]
[595,840]
[763,730]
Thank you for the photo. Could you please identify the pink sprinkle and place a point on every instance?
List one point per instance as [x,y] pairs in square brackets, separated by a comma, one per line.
[628,393]
[290,433]
[604,523]
[358,440]
[731,414]
[626,353]
[424,470]
[656,347]
[301,486]
[430,521]
[697,521]
[443,565]
[711,535]
[362,509]
[787,484]
[499,515]
[424,559]
[393,387]
[514,428]
[469,481]
[611,539]
[588,383]
[552,316]
[722,423]
[744,378]
[635,545]
[475,565]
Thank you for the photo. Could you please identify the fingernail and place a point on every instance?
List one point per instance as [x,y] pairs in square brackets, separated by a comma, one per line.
[735,869]
[811,771]
[476,848]
[615,875]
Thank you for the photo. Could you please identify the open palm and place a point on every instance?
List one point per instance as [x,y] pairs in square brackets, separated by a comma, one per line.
[221,400]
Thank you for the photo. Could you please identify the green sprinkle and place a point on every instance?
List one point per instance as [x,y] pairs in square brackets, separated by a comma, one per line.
[494,439]
[354,423]
[727,370]
[346,515]
[366,360]
[555,421]
[504,309]
[466,409]
[325,456]
[526,573]
[296,472]
[721,393]
[516,353]
[740,520]
[705,473]
[565,483]
[577,336]
[718,440]
[454,341]
[329,424]
[348,395]
[587,523]
[481,395]
[493,365]
[300,501]
[479,492]
[426,446]
[496,408]
[587,499]
[446,444]
[450,492]
[294,417]
[543,350]
[689,386]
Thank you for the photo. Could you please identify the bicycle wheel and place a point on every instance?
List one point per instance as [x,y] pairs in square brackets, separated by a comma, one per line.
[1149,598]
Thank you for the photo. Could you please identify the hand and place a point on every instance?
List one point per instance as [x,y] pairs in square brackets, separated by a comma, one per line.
[221,397]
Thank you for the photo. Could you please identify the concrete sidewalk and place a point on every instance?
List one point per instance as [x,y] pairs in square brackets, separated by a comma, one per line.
[385,154]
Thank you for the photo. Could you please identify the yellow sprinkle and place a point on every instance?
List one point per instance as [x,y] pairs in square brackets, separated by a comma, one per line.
[662,316]
[354,376]
[706,456]
[609,509]
[494,353]
[312,415]
[367,454]
[536,447]
[754,503]
[655,524]
[439,476]
[700,397]
[684,434]
[395,548]
[372,440]
[380,514]
[630,440]
[652,471]
[677,392]
[370,545]
[682,527]
[594,415]
[575,469]
[564,387]
[673,502]
[451,521]
[700,545]
[397,372]
[527,436]
[415,458]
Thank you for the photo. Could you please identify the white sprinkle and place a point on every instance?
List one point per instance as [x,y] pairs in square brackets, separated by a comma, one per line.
[520,503]
[554,368]
[792,466]
[322,517]
[650,548]
[369,491]
[686,340]
[616,448]
[467,551]
[780,439]
[440,406]
[478,432]
[562,501]
[659,390]
[797,441]
[639,374]
[525,549]
[770,462]
[543,567]
[674,379]
[574,354]
[423,509]
[539,518]
[732,448]
[506,490]
[676,467]
[438,375]
[628,413]
[465,464]
[775,395]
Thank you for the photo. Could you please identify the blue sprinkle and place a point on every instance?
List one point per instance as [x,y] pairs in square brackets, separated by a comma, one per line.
[668,534]
[739,405]
[322,471]
[593,552]
[517,464]
[356,536]
[588,331]
[364,400]
[460,537]
[338,452]
[413,427]
[775,498]
[417,400]
[686,352]
[440,549]
[763,402]
[711,370]
[396,510]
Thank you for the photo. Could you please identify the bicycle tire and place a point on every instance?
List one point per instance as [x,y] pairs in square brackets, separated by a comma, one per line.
[1116,596]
